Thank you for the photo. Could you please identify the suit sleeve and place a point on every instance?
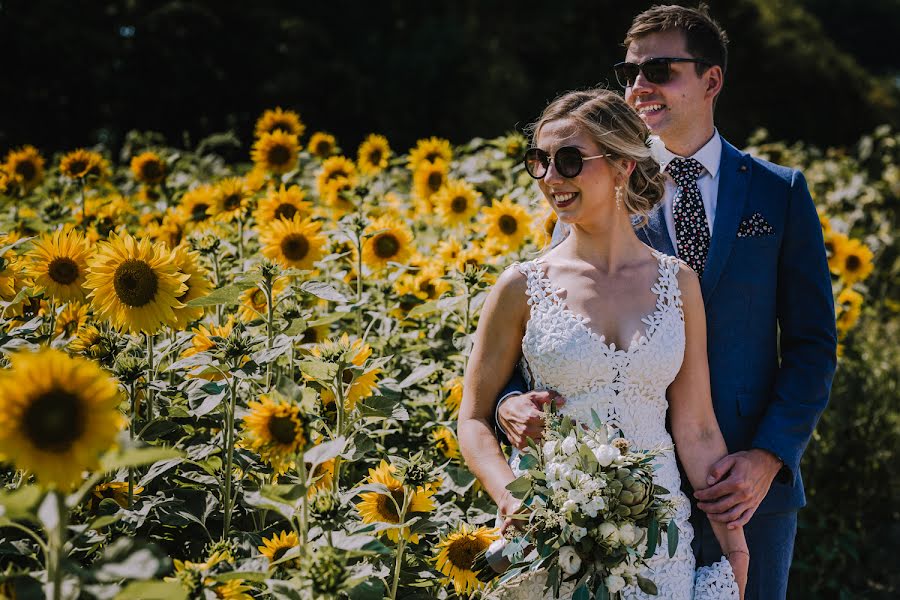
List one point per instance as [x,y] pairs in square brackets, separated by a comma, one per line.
[515,385]
[808,338]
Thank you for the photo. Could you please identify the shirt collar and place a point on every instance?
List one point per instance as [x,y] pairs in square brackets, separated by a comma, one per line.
[710,155]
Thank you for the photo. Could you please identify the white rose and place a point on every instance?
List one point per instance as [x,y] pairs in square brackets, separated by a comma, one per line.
[605,454]
[627,533]
[577,496]
[569,561]
[569,506]
[609,532]
[614,584]
[594,506]
[578,533]
[549,448]
[569,446]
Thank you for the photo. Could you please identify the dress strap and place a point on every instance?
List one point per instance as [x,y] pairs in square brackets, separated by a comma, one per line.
[538,286]
[666,288]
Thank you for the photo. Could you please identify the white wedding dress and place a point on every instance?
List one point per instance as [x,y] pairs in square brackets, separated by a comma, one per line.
[627,389]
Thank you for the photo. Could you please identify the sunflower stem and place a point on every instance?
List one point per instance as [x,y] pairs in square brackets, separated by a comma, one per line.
[150,394]
[215,258]
[83,204]
[304,507]
[401,542]
[339,406]
[132,397]
[359,243]
[229,456]
[51,307]
[54,566]
[241,240]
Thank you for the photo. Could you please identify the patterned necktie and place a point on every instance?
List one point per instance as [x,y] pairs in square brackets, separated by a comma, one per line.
[691,226]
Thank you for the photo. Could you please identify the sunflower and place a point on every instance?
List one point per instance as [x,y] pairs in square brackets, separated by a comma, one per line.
[92,343]
[169,229]
[234,589]
[275,547]
[325,474]
[514,146]
[506,223]
[25,167]
[57,415]
[275,430]
[148,168]
[334,169]
[203,334]
[373,154]
[445,441]
[198,285]
[426,284]
[71,319]
[295,243]
[286,121]
[389,240]
[314,334]
[134,284]
[232,199]
[83,164]
[848,307]
[856,262]
[457,552]
[336,196]
[456,203]
[253,301]
[453,400]
[198,205]
[276,152]
[824,220]
[285,203]
[322,145]
[545,233]
[428,151]
[428,179]
[448,250]
[383,508]
[835,243]
[59,265]
[114,490]
[360,387]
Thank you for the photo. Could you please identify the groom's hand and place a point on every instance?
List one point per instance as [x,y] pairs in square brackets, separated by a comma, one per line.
[747,478]
[522,416]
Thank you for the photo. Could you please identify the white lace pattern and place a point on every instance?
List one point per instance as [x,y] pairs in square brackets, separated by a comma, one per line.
[627,389]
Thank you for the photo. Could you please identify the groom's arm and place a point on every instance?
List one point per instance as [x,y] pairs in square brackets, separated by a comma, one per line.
[515,386]
[808,340]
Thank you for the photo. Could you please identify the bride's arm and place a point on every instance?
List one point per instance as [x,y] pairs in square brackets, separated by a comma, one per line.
[495,352]
[698,439]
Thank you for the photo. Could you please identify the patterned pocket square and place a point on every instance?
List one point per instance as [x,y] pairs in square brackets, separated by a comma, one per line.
[755,226]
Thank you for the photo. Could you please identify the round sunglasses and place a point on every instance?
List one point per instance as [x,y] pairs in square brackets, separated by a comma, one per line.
[568,161]
[654,70]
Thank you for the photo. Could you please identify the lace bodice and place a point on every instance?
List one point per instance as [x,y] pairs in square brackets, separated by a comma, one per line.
[627,389]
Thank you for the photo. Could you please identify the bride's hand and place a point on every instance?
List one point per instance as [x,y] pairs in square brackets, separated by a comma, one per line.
[511,506]
[740,564]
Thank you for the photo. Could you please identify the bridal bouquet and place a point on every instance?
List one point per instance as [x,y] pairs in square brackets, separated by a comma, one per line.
[594,515]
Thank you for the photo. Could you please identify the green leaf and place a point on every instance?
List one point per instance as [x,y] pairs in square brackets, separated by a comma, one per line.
[153,590]
[581,593]
[9,247]
[601,593]
[296,327]
[318,369]
[519,487]
[227,295]
[652,538]
[422,310]
[596,419]
[672,534]
[527,461]
[322,290]
[647,586]
[136,457]
[20,503]
[370,589]
[327,319]
[418,374]
[324,452]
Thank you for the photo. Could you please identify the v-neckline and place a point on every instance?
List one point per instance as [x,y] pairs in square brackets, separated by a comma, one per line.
[584,321]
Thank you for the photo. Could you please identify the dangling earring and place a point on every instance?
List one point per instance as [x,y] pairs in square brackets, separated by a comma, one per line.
[618,197]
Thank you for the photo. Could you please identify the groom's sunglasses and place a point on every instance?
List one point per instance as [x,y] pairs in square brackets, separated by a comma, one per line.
[568,161]
[655,70]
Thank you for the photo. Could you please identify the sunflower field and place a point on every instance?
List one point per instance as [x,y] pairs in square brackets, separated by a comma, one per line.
[241,380]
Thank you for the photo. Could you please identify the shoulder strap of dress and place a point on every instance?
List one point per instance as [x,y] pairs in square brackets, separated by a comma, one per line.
[669,292]
[536,284]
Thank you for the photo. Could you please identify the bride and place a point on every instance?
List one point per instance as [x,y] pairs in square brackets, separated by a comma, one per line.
[610,324]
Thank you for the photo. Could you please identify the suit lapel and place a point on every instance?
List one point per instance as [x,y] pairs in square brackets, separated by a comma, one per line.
[734,183]
[656,232]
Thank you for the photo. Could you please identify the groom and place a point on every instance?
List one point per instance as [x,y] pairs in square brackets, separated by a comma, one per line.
[750,230]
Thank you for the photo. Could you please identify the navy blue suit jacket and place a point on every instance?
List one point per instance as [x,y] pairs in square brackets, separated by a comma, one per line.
[771,336]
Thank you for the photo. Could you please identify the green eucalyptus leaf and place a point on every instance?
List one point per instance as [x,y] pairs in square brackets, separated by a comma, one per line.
[647,586]
[652,538]
[672,535]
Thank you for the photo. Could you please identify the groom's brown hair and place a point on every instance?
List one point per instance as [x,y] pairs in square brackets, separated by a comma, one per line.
[704,37]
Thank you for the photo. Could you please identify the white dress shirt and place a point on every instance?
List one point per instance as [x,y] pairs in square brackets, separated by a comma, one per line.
[710,156]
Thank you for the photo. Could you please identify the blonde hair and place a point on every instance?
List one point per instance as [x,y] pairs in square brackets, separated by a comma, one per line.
[618,130]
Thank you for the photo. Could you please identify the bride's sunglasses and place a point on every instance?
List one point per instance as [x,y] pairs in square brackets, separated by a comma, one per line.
[568,161]
[655,70]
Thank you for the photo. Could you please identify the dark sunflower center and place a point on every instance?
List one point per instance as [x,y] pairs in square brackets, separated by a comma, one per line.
[459,204]
[282,125]
[258,298]
[386,509]
[435,180]
[279,155]
[151,170]
[283,429]
[26,169]
[199,212]
[323,148]
[310,336]
[829,247]
[231,201]
[54,420]
[462,552]
[78,167]
[135,283]
[295,246]
[853,263]
[286,211]
[375,156]
[347,376]
[63,270]
[508,224]
[280,552]
[432,156]
[386,246]
[336,174]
